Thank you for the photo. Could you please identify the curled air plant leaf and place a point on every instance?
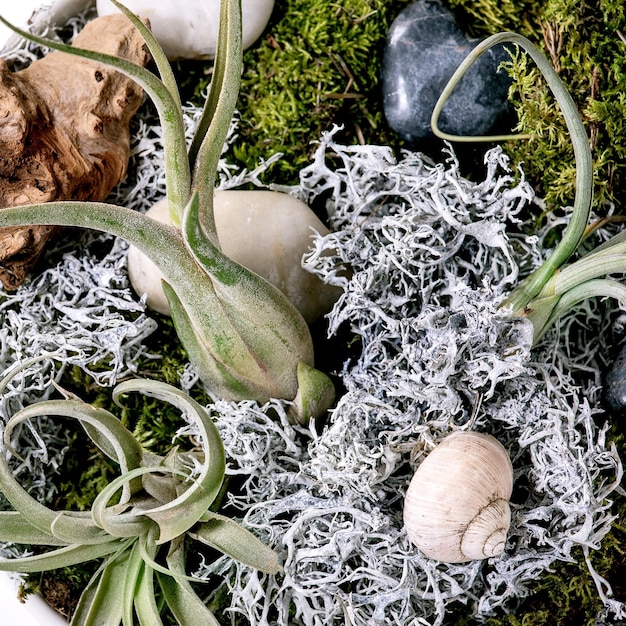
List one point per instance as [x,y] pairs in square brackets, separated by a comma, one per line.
[244,337]
[141,538]
[555,287]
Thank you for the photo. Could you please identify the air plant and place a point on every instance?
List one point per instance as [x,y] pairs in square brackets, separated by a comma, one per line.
[246,340]
[554,287]
[159,503]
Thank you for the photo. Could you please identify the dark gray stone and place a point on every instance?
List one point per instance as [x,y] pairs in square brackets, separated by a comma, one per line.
[614,390]
[423,49]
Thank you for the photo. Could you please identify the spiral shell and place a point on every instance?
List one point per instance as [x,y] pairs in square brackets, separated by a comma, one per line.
[456,507]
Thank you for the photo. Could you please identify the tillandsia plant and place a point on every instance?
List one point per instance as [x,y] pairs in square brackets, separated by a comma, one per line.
[555,287]
[244,337]
[159,502]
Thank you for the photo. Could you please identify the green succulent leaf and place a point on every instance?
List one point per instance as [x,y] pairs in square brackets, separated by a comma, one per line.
[64,526]
[117,520]
[543,312]
[261,357]
[105,430]
[145,601]
[177,516]
[217,113]
[185,605]
[158,56]
[132,572]
[229,537]
[178,175]
[100,603]
[588,268]
[15,528]
[575,230]
[60,557]
[316,393]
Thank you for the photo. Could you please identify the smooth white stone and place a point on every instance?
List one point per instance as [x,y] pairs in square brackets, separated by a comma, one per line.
[267,232]
[187,29]
[35,16]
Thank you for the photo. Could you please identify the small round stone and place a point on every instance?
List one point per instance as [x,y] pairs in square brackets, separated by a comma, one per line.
[266,231]
[423,49]
[187,29]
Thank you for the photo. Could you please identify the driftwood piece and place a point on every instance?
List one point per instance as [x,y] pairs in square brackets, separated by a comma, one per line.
[64,133]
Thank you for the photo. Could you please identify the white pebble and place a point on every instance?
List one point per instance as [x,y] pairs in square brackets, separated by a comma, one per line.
[267,232]
[35,15]
[187,29]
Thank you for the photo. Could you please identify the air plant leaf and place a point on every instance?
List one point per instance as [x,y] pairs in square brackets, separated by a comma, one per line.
[217,112]
[234,540]
[177,516]
[131,574]
[100,601]
[543,312]
[574,233]
[181,599]
[178,176]
[105,430]
[144,599]
[129,533]
[15,528]
[555,287]
[63,526]
[61,557]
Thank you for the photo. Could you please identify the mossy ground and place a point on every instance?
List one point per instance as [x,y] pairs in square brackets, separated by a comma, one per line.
[585,41]
[318,64]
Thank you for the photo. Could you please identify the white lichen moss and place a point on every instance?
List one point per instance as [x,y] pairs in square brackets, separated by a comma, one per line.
[431,260]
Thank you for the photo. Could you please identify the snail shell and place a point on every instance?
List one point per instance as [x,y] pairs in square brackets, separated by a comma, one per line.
[456,507]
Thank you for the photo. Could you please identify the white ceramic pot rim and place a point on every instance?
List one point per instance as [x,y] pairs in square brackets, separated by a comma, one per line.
[33,612]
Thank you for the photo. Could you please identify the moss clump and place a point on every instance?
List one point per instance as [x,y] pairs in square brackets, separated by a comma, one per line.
[583,41]
[317,64]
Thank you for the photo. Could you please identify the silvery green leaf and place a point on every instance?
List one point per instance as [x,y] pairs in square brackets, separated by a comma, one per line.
[60,557]
[259,360]
[231,538]
[584,167]
[182,600]
[105,430]
[168,107]
[177,516]
[217,112]
[69,526]
[15,528]
[145,601]
[101,602]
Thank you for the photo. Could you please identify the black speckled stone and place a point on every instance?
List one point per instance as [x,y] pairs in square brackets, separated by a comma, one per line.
[614,390]
[423,49]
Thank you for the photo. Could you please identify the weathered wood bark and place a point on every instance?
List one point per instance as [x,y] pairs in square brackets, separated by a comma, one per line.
[64,133]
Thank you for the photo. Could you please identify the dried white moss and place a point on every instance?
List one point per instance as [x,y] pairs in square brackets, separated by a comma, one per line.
[431,261]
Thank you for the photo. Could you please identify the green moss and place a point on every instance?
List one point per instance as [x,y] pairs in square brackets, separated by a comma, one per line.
[582,39]
[84,473]
[317,64]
